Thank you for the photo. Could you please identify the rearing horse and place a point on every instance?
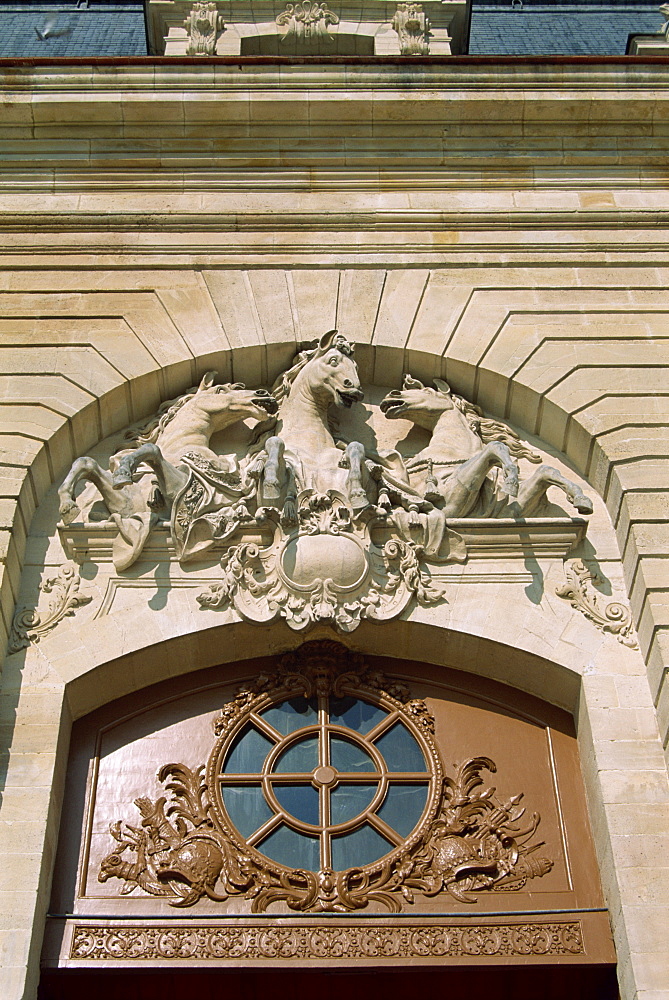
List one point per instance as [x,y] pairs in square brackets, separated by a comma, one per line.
[186,428]
[452,471]
[300,452]
[182,426]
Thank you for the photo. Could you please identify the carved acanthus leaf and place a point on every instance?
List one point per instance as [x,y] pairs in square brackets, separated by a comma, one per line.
[579,589]
[413,29]
[307,23]
[30,625]
[204,24]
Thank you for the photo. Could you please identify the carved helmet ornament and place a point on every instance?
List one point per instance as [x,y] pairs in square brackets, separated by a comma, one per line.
[325,791]
[309,527]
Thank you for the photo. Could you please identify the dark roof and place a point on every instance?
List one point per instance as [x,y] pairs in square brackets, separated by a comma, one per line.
[99,29]
[592,29]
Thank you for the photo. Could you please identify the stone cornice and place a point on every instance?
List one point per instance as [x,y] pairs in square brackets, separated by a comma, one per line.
[557,75]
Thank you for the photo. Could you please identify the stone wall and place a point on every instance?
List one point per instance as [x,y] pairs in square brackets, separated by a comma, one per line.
[502,228]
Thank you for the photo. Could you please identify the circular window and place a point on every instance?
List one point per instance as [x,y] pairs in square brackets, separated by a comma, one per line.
[324,782]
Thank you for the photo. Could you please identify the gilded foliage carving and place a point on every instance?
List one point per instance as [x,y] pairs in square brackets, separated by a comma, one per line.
[439,940]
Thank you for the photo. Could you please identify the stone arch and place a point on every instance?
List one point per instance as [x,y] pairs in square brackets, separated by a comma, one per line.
[122,384]
[95,681]
[158,336]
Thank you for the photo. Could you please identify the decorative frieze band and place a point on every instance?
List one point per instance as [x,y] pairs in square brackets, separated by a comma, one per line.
[216,943]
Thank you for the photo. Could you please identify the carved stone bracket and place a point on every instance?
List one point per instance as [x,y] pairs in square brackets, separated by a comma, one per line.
[29,625]
[468,840]
[204,24]
[579,589]
[413,29]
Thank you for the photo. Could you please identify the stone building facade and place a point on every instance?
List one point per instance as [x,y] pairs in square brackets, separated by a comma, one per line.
[317,227]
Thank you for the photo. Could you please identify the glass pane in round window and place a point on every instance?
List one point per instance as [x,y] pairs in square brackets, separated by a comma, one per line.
[334,783]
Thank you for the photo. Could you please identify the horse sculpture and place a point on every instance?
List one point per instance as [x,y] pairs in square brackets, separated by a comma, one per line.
[183,427]
[453,471]
[299,451]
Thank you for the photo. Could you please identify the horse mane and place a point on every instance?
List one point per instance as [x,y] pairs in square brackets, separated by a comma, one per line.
[485,428]
[153,428]
[493,430]
[284,383]
[151,431]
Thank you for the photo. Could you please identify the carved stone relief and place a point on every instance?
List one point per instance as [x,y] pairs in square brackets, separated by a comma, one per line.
[310,524]
[579,589]
[30,625]
[413,29]
[204,24]
[307,26]
[465,840]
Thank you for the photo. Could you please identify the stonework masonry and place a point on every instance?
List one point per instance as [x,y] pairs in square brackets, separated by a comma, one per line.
[498,225]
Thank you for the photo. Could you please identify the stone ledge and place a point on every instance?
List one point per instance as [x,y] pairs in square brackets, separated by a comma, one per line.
[503,538]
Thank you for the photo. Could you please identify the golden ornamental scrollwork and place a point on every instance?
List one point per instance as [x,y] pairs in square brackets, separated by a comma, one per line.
[350,805]
[211,942]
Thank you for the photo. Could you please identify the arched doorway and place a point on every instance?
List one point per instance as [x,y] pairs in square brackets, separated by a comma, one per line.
[469,862]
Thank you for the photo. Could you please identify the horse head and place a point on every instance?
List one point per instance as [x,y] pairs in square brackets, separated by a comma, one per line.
[233,400]
[418,403]
[327,371]
[331,377]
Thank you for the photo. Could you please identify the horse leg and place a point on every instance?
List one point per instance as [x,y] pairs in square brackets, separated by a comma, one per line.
[462,488]
[87,469]
[354,459]
[272,474]
[289,512]
[534,490]
[170,479]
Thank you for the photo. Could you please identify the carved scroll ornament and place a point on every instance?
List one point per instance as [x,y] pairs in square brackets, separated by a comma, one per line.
[413,29]
[307,24]
[613,617]
[207,943]
[30,625]
[467,840]
[204,24]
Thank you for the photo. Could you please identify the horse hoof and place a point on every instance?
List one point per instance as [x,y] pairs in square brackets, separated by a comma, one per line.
[68,512]
[359,500]
[583,504]
[433,496]
[510,487]
[121,479]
